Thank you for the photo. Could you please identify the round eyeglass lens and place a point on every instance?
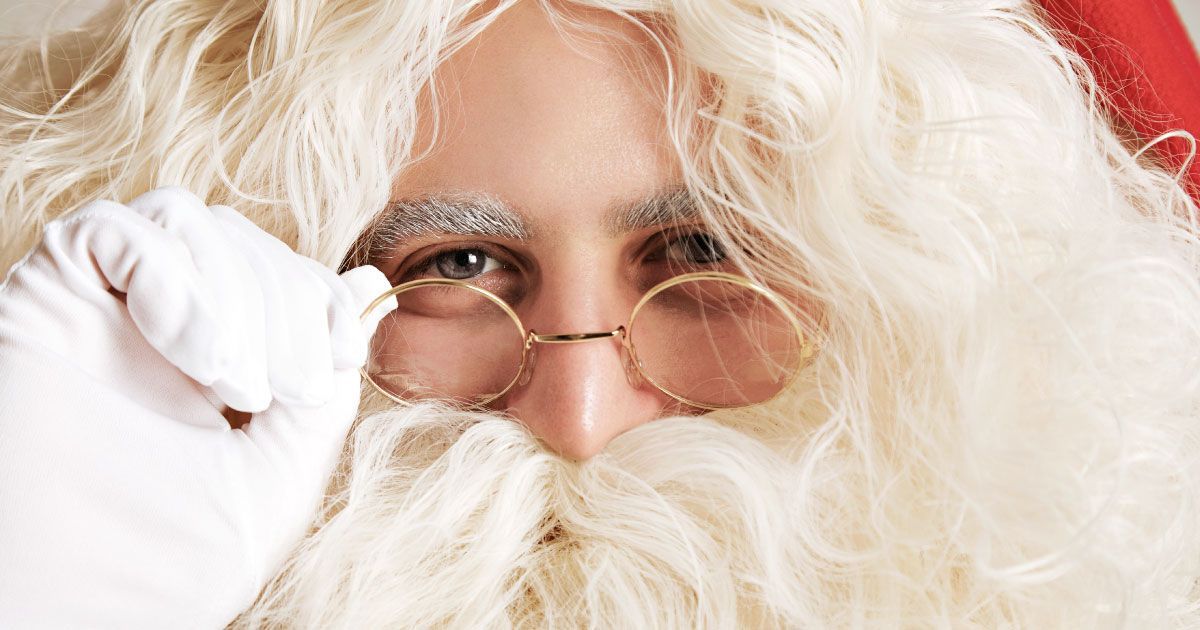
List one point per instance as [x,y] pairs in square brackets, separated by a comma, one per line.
[716,343]
[446,341]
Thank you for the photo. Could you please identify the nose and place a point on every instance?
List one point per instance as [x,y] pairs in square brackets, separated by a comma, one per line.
[578,397]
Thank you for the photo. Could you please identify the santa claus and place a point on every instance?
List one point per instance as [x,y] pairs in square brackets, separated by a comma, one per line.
[804,313]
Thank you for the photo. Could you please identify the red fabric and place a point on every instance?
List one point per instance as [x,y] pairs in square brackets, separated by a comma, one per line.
[1145,62]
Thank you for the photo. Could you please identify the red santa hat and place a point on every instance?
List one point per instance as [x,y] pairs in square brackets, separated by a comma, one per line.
[1146,65]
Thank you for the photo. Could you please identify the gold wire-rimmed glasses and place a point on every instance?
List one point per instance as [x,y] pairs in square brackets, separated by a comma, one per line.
[710,340]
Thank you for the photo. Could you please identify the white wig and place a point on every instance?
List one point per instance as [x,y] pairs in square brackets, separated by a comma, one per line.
[1002,427]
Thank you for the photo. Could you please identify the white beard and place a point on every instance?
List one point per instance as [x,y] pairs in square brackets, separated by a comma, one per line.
[448,518]
[788,517]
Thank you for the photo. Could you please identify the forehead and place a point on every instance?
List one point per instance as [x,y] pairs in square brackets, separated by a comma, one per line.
[565,126]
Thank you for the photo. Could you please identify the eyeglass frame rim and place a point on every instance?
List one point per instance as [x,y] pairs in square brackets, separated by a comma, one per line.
[624,331]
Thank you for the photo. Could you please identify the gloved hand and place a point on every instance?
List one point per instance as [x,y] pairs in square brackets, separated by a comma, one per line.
[126,500]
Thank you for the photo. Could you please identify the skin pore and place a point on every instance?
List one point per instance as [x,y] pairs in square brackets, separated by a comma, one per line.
[551,183]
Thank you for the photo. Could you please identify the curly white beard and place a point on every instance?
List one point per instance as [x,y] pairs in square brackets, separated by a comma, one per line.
[448,518]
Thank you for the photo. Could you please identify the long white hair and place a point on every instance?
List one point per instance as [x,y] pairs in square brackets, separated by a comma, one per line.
[1002,427]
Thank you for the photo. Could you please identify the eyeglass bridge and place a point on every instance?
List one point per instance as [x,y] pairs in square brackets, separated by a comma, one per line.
[534,337]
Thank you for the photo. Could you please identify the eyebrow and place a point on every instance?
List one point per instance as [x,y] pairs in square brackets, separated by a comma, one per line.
[467,214]
[480,214]
[658,210]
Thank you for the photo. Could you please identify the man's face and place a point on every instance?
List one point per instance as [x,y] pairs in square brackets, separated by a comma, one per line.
[447,517]
[569,135]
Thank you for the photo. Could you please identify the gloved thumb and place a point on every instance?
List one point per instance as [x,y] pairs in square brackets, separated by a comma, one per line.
[368,284]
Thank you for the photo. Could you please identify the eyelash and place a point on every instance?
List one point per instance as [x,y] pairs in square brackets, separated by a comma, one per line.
[679,239]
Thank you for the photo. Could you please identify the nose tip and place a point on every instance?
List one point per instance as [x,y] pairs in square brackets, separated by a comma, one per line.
[578,398]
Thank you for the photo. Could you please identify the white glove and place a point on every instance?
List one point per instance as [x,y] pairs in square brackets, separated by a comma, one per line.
[126,500]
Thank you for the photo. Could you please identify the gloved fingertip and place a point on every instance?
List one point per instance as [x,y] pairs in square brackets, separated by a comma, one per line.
[252,399]
[310,394]
[166,197]
[368,283]
[199,347]
[350,356]
[371,322]
[366,280]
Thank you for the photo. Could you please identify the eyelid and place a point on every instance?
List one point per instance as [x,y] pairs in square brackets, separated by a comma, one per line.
[427,256]
[670,235]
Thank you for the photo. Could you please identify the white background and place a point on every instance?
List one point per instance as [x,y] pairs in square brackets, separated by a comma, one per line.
[1190,11]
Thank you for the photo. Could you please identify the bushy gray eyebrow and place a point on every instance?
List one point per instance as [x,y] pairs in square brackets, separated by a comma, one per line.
[658,210]
[467,214]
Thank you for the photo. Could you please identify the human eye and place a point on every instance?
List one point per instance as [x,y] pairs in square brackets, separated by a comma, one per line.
[696,249]
[689,251]
[461,264]
[681,250]
[485,265]
[455,263]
